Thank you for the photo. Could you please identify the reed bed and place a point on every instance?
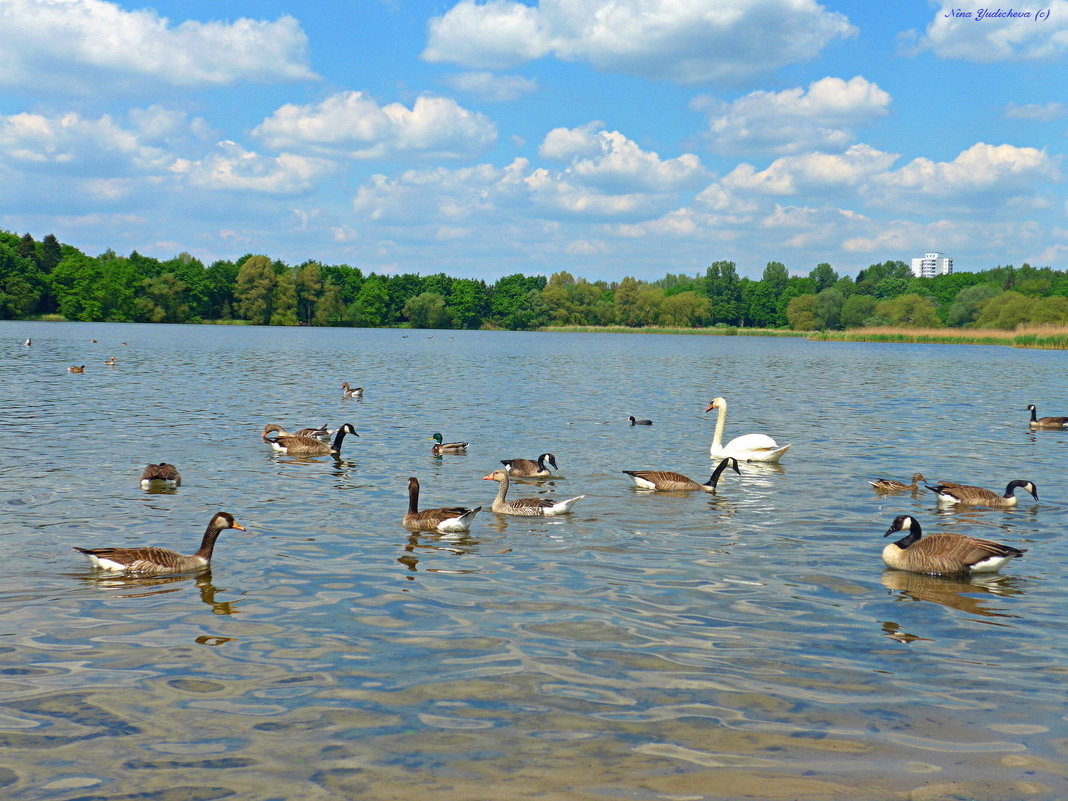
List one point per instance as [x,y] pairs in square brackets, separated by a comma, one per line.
[722,331]
[1047,337]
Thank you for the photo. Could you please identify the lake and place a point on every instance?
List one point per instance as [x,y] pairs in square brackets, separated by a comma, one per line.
[743,645]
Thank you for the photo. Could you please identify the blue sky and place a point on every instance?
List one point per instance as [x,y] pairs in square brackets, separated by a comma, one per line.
[603,137]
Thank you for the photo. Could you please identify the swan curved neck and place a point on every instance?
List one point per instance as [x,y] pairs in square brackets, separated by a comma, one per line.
[721,422]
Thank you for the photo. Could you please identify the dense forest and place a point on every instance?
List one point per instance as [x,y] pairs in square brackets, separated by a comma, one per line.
[50,280]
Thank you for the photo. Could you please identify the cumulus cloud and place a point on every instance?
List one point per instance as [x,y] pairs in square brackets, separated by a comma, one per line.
[812,172]
[234,169]
[78,46]
[688,41]
[490,86]
[794,120]
[992,39]
[353,125]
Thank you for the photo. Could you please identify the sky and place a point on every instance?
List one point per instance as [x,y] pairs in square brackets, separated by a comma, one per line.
[607,138]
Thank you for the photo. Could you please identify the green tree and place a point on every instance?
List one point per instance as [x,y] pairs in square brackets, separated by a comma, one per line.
[284,298]
[909,311]
[801,313]
[255,290]
[828,308]
[427,310]
[824,276]
[162,300]
[371,306]
[1006,311]
[309,288]
[510,298]
[724,292]
[857,310]
[684,310]
[468,302]
[968,303]
[21,286]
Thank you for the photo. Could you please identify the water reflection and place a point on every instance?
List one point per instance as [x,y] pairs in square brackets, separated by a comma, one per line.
[972,595]
[148,586]
[434,543]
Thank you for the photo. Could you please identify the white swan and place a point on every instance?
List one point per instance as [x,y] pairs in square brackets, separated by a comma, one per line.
[748,447]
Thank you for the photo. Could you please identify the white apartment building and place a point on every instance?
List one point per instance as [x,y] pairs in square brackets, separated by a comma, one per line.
[932,264]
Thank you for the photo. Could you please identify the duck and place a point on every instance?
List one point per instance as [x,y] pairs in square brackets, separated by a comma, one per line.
[155,561]
[445,519]
[889,485]
[526,507]
[943,554]
[350,392]
[746,448]
[634,422]
[528,468]
[1045,422]
[28,342]
[111,362]
[294,445]
[321,431]
[74,368]
[669,481]
[162,474]
[446,447]
[950,493]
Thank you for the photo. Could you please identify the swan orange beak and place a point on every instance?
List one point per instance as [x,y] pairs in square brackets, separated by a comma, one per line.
[711,406]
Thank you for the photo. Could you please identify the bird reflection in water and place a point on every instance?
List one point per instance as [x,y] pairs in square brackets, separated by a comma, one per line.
[432,543]
[146,586]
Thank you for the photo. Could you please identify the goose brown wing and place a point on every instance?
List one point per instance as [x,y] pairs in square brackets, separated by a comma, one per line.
[950,552]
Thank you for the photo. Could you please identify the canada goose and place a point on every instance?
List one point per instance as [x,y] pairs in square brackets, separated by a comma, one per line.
[446,447]
[668,481]
[1045,422]
[309,446]
[160,475]
[76,369]
[111,362]
[527,468]
[950,493]
[350,392]
[748,447]
[889,485]
[447,519]
[634,422]
[153,561]
[321,431]
[943,554]
[526,507]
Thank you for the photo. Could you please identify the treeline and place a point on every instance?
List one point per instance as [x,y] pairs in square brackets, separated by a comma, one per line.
[39,279]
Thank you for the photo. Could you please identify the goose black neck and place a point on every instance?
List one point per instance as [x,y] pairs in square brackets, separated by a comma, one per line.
[729,461]
[1034,414]
[207,545]
[413,496]
[339,437]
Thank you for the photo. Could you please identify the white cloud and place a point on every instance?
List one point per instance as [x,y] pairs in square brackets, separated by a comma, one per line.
[352,125]
[689,41]
[812,173]
[794,120]
[1039,112]
[233,168]
[991,39]
[92,46]
[490,86]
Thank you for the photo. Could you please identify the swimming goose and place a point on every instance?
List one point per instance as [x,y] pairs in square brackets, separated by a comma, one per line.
[1045,422]
[446,447]
[154,561]
[76,369]
[668,481]
[111,362]
[350,392]
[446,519]
[321,431]
[943,554]
[950,493]
[526,507]
[748,447]
[160,475]
[889,485]
[526,468]
[310,446]
[634,422]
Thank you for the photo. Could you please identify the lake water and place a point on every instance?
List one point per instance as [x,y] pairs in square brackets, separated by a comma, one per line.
[744,645]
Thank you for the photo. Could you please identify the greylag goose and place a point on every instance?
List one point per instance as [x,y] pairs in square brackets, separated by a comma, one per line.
[321,431]
[440,447]
[350,392]
[154,561]
[950,493]
[75,368]
[943,554]
[446,519]
[668,481]
[746,448]
[310,446]
[889,485]
[527,468]
[160,475]
[526,507]
[1045,422]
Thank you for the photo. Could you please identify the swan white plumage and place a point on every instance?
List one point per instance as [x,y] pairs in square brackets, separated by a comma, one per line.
[746,448]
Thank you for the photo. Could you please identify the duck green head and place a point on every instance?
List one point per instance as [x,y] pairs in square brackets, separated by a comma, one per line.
[437,437]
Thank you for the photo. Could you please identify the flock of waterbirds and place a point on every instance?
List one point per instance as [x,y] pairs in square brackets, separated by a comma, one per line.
[936,554]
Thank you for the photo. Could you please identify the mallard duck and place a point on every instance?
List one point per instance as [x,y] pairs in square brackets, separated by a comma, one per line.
[321,431]
[526,507]
[350,392]
[527,468]
[668,481]
[446,519]
[950,493]
[889,485]
[943,554]
[746,448]
[152,560]
[310,446]
[1045,422]
[160,475]
[446,447]
[635,422]
[76,368]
